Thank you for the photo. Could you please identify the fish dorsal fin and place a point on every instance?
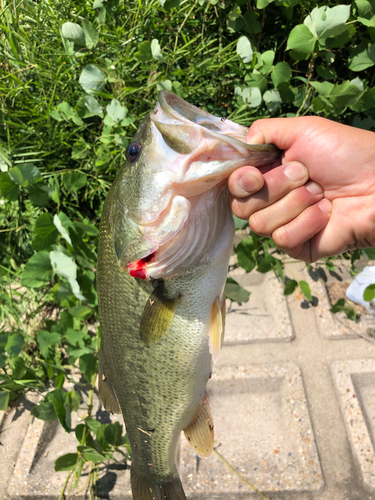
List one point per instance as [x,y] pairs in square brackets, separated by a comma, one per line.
[200,432]
[217,326]
[107,394]
[157,316]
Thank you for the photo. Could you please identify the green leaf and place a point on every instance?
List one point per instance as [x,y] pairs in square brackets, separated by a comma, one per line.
[370,252]
[273,100]
[81,312]
[88,364]
[325,22]
[90,33]
[144,53]
[59,380]
[239,223]
[246,252]
[74,336]
[252,96]
[369,293]
[93,424]
[305,290]
[40,194]
[61,229]
[116,111]
[244,49]
[67,268]
[235,292]
[4,400]
[25,174]
[66,462]
[344,94]
[281,73]
[324,88]
[44,411]
[266,264]
[74,181]
[290,286]
[8,188]
[362,57]
[45,232]
[38,271]
[156,51]
[90,454]
[251,24]
[92,80]
[93,105]
[326,73]
[301,42]
[262,4]
[46,340]
[165,85]
[74,33]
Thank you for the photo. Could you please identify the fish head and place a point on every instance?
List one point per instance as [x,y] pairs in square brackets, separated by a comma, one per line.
[176,167]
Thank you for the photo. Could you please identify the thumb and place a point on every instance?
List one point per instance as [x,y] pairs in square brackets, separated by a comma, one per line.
[282,132]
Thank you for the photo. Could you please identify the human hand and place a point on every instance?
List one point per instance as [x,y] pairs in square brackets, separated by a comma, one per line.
[320,199]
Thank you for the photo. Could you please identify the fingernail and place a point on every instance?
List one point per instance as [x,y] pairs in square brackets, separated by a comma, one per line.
[325,206]
[314,188]
[295,171]
[249,183]
[256,139]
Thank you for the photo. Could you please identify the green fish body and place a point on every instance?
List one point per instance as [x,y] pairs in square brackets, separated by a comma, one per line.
[165,240]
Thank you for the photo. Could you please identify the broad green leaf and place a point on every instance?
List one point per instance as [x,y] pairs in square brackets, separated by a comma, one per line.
[66,462]
[369,293]
[45,233]
[40,194]
[370,252]
[46,340]
[239,223]
[344,94]
[235,292]
[92,80]
[273,100]
[44,410]
[116,111]
[326,73]
[14,345]
[246,252]
[165,85]
[156,51]
[301,41]
[38,271]
[61,229]
[266,264]
[74,336]
[290,286]
[91,35]
[93,105]
[25,174]
[251,24]
[144,53]
[93,424]
[281,73]
[252,96]
[365,8]
[74,33]
[305,288]
[262,4]
[244,49]
[74,181]
[325,22]
[69,113]
[362,57]
[8,188]
[4,400]
[80,312]
[59,380]
[256,79]
[88,364]
[90,454]
[324,88]
[67,268]
[87,228]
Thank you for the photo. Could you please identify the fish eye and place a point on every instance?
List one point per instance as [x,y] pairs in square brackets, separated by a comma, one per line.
[132,151]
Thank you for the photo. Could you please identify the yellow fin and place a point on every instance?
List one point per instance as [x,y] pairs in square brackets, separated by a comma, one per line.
[107,394]
[200,432]
[157,316]
[217,326]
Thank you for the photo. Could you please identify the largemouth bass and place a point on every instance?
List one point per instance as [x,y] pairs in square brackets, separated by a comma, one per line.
[165,240]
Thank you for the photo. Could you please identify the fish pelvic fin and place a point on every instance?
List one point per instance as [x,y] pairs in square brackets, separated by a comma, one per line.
[157,316]
[152,489]
[217,326]
[200,432]
[107,394]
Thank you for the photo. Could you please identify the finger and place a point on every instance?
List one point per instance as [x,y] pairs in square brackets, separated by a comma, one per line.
[282,132]
[266,221]
[292,238]
[277,183]
[245,181]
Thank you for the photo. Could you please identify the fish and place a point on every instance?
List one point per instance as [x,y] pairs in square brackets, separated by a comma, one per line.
[165,239]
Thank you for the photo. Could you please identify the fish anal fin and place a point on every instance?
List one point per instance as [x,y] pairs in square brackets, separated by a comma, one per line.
[157,316]
[107,394]
[200,432]
[148,489]
[217,326]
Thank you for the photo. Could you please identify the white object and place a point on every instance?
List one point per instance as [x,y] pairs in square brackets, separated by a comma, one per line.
[358,286]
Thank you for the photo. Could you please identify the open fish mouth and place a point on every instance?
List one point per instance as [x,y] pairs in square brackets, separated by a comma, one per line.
[190,155]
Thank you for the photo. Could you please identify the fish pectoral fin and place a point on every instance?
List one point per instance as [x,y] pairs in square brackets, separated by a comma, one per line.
[200,432]
[145,488]
[217,326]
[107,394]
[157,316]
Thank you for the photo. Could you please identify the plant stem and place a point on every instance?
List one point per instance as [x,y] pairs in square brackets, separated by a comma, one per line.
[65,484]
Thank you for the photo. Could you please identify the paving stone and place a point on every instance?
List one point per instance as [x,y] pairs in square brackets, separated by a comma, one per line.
[266,435]
[264,318]
[355,385]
